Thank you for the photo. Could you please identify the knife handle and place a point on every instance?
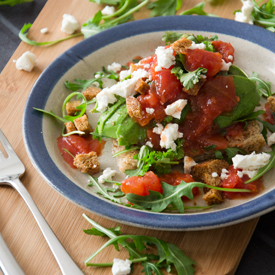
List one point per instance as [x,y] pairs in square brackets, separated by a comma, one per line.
[8,264]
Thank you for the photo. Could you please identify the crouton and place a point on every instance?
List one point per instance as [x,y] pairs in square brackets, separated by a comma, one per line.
[133,107]
[69,127]
[82,124]
[204,171]
[194,91]
[180,45]
[125,161]
[271,101]
[141,87]
[250,139]
[213,197]
[91,92]
[87,163]
[70,107]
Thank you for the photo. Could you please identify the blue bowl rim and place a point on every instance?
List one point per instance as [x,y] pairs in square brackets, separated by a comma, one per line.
[34,141]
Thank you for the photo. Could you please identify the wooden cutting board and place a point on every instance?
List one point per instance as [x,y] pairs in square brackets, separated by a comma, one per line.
[216,251]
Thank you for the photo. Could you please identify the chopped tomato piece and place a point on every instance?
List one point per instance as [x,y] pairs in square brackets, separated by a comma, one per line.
[78,145]
[200,58]
[234,181]
[268,117]
[154,139]
[141,185]
[225,49]
[176,177]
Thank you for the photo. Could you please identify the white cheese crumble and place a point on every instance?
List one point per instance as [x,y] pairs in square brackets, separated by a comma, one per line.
[188,163]
[116,67]
[271,140]
[214,174]
[245,14]
[168,136]
[140,73]
[108,10]
[108,173]
[124,73]
[176,108]
[104,98]
[230,57]
[158,129]
[165,58]
[193,46]
[44,30]
[69,24]
[150,110]
[224,174]
[250,162]
[121,267]
[149,144]
[225,66]
[26,61]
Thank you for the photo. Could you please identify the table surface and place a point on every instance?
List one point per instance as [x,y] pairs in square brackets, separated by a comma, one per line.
[257,259]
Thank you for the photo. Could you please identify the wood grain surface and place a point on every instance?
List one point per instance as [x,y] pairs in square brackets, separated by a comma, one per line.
[216,251]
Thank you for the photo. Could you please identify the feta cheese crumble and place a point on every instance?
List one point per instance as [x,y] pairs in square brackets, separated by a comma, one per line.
[250,162]
[245,14]
[108,10]
[214,174]
[69,24]
[168,136]
[224,174]
[271,140]
[104,98]
[140,73]
[124,73]
[108,173]
[121,267]
[225,66]
[149,144]
[150,110]
[193,46]
[188,163]
[176,108]
[44,30]
[26,61]
[158,129]
[165,58]
[116,67]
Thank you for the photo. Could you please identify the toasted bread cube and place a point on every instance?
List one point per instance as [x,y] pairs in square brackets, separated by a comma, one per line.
[125,161]
[69,127]
[203,171]
[91,92]
[196,88]
[133,107]
[213,197]
[70,107]
[180,45]
[82,124]
[87,163]
[250,140]
[142,87]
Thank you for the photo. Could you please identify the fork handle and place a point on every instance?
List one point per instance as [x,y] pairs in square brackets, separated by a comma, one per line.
[65,262]
[8,264]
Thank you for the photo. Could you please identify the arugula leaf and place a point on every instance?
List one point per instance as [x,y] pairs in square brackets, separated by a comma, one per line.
[198,9]
[13,2]
[269,126]
[168,253]
[24,33]
[190,78]
[170,37]
[96,232]
[157,202]
[263,87]
[164,7]
[270,165]
[232,152]
[253,115]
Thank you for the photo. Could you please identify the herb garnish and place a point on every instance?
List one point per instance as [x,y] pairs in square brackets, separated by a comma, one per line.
[13,2]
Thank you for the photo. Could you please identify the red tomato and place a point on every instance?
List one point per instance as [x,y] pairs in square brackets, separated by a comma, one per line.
[141,185]
[234,181]
[268,117]
[200,58]
[154,139]
[225,49]
[175,178]
[78,145]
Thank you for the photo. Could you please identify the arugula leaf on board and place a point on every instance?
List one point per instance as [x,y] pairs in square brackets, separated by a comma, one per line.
[23,35]
[158,202]
[164,7]
[270,165]
[13,2]
[189,79]
[198,10]
[168,254]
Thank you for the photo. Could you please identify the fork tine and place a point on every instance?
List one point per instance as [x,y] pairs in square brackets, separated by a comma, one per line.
[6,145]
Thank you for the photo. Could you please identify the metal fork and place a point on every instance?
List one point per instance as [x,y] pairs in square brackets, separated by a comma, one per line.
[11,168]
